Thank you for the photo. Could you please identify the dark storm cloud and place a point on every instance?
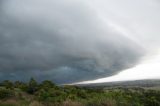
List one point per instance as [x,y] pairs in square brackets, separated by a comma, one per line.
[62,40]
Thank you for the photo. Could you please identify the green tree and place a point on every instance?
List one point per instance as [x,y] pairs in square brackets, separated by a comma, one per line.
[17,84]
[47,85]
[8,84]
[32,86]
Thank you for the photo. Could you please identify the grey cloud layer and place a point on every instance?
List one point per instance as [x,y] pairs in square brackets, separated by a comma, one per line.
[62,40]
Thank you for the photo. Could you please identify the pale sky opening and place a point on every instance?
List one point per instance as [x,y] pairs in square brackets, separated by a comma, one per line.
[148,68]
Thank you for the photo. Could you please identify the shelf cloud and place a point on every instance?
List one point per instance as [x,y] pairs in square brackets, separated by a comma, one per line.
[66,40]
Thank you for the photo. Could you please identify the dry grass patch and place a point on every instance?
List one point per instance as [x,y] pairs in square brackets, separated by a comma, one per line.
[71,103]
[35,103]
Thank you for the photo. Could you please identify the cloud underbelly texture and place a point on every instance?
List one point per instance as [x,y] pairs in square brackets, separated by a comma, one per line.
[60,40]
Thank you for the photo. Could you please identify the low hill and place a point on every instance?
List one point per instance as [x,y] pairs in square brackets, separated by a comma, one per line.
[136,83]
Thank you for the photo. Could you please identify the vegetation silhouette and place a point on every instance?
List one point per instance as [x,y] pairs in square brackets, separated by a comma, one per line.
[47,93]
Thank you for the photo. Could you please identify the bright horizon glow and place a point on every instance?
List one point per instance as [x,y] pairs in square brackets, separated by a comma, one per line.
[149,68]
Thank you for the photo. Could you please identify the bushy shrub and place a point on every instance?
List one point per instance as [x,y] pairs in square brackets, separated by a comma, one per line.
[51,95]
[8,84]
[48,94]
[6,93]
[47,85]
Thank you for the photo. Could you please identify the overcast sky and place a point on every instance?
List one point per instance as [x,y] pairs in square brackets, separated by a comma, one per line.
[75,40]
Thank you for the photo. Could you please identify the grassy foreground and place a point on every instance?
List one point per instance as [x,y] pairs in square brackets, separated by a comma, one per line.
[48,94]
